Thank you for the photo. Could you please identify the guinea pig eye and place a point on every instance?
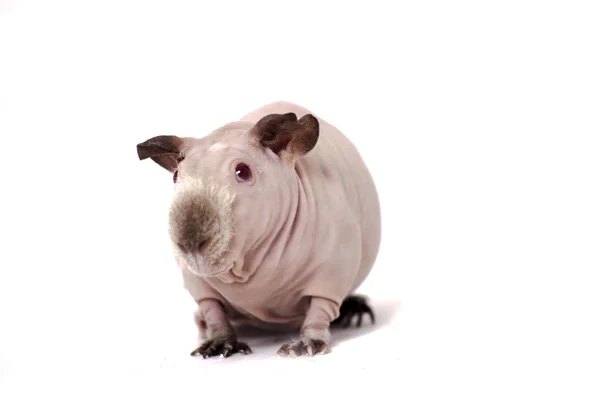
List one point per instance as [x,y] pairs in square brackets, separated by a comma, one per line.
[243,172]
[175,177]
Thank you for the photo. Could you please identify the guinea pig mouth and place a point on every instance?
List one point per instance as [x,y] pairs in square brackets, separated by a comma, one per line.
[201,226]
[198,265]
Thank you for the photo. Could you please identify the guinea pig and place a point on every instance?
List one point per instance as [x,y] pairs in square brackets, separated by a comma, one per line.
[274,222]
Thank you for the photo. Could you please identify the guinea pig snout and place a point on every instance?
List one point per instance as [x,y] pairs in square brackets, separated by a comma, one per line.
[193,222]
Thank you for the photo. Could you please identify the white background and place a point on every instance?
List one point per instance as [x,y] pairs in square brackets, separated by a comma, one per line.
[480,122]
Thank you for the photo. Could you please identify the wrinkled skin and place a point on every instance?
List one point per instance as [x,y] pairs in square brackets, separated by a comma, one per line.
[275,220]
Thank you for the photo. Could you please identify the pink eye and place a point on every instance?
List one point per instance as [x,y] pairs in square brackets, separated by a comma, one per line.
[175,177]
[243,172]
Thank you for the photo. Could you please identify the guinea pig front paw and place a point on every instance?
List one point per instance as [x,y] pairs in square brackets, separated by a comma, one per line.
[303,346]
[221,346]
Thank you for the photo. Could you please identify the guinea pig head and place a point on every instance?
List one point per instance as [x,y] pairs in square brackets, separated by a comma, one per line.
[231,187]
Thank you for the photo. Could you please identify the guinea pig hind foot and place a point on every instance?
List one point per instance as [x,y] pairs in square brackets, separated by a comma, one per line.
[353,305]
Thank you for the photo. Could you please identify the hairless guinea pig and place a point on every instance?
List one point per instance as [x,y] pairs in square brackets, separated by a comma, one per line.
[275,222]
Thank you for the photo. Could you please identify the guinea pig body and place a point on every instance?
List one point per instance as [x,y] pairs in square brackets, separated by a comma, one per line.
[275,222]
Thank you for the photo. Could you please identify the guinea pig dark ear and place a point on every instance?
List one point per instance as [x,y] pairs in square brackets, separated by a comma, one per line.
[286,134]
[164,150]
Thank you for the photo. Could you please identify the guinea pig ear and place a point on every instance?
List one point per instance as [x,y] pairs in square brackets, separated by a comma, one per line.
[285,134]
[164,150]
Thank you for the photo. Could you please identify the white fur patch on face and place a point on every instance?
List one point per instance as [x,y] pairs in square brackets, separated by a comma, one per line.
[203,208]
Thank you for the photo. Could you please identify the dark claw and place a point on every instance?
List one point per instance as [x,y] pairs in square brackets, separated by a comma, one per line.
[241,347]
[221,346]
[195,352]
[227,349]
[354,305]
[371,315]
[209,352]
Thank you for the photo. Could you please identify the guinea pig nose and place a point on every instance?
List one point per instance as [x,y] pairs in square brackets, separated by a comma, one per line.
[188,247]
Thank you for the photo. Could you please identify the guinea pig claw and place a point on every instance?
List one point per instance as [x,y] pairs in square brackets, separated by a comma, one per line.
[323,349]
[299,347]
[242,348]
[195,352]
[221,347]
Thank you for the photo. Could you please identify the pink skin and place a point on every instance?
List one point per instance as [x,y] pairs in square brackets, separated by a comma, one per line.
[274,232]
